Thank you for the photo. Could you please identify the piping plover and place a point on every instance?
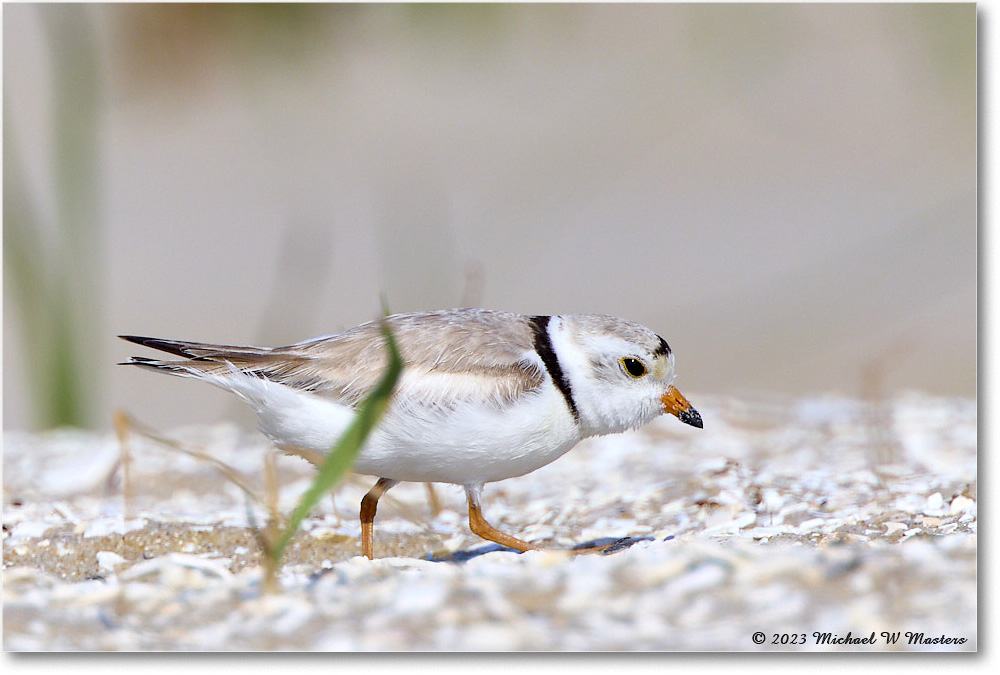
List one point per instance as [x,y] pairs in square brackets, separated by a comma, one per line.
[484,395]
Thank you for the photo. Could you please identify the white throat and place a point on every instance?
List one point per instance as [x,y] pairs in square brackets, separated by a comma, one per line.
[576,371]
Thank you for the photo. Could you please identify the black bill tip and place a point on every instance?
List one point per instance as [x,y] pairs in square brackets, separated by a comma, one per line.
[692,417]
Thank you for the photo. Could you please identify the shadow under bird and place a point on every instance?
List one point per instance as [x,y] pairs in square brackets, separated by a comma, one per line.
[484,395]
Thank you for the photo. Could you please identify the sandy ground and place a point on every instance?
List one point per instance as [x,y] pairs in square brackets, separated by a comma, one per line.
[811,524]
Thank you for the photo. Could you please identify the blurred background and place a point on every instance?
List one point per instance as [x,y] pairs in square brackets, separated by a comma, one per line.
[787,193]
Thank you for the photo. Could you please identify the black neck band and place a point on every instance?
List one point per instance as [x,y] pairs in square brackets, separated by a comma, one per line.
[543,345]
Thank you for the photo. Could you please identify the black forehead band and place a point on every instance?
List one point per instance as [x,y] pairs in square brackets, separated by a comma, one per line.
[663,349]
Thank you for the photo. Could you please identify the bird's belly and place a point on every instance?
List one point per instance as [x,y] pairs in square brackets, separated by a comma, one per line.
[470,444]
[465,443]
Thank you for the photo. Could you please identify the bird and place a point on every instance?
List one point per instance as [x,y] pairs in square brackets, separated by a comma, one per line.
[484,395]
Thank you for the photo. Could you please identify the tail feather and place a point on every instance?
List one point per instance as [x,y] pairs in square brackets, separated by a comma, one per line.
[197,350]
[205,360]
[183,368]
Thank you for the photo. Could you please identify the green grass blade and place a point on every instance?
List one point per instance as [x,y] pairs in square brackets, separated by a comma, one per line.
[347,447]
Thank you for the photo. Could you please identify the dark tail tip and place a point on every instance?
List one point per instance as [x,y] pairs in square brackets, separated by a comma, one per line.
[137,339]
[170,346]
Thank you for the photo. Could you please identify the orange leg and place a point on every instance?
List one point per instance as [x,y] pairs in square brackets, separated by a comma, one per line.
[478,524]
[368,506]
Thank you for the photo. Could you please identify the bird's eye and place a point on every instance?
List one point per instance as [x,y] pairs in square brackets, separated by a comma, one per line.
[633,367]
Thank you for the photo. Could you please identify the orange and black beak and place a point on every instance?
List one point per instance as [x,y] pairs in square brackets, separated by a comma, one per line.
[675,404]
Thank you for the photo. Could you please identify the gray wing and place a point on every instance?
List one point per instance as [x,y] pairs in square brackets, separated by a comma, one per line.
[450,356]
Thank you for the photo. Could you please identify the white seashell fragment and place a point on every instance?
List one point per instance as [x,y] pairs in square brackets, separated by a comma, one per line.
[109,560]
[960,504]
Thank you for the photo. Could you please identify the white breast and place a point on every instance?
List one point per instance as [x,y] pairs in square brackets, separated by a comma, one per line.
[471,444]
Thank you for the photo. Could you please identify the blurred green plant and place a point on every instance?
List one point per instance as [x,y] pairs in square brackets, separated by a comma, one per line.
[275,537]
[54,279]
[339,460]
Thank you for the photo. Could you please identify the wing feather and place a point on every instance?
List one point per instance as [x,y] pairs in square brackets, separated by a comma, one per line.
[451,356]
